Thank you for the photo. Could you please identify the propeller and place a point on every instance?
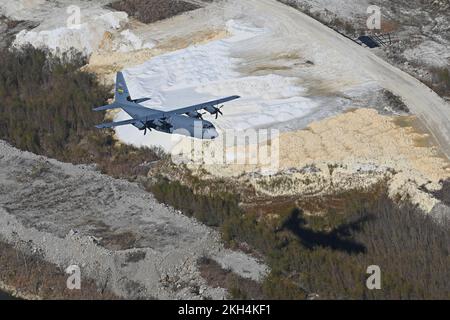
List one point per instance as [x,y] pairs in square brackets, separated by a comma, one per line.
[195,114]
[215,110]
[218,111]
[146,124]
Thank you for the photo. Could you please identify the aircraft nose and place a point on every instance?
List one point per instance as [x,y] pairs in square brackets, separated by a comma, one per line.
[210,134]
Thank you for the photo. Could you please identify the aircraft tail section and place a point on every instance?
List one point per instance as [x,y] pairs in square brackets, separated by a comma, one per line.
[121,92]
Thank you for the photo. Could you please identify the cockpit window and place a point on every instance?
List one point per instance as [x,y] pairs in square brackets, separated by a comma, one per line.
[208,126]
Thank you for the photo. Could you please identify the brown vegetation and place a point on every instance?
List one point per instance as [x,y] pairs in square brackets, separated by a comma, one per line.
[237,286]
[440,81]
[9,28]
[328,254]
[389,26]
[395,102]
[213,209]
[32,275]
[444,193]
[148,11]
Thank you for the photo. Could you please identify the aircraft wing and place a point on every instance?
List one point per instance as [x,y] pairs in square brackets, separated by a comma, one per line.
[158,114]
[116,124]
[200,106]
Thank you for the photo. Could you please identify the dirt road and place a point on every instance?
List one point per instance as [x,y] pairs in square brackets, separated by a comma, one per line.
[291,24]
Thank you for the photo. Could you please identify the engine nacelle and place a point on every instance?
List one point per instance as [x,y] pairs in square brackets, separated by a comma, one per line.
[140,125]
[158,123]
[163,125]
[212,110]
[194,114]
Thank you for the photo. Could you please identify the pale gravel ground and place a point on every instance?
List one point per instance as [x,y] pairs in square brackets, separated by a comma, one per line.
[39,208]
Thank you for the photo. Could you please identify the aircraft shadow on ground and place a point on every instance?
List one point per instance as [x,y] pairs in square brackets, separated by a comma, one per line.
[336,239]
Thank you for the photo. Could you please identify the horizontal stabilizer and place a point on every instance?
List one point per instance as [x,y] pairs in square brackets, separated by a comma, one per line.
[107,107]
[116,124]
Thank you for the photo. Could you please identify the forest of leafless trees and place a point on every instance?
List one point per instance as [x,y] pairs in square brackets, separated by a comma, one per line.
[148,11]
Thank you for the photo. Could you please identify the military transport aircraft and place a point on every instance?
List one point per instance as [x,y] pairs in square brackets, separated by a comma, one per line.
[186,121]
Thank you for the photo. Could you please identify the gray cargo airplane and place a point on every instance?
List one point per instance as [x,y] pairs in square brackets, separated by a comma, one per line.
[186,121]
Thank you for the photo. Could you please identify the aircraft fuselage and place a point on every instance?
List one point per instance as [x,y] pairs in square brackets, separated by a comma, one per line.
[178,124]
[187,121]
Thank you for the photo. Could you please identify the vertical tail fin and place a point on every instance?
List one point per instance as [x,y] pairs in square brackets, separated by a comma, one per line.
[121,93]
